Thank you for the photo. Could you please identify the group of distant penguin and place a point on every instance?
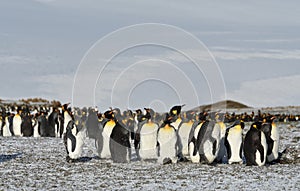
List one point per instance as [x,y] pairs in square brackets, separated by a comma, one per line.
[166,138]
[174,137]
[42,122]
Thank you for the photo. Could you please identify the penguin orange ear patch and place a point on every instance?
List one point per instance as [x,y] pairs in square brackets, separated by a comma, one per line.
[174,112]
[254,126]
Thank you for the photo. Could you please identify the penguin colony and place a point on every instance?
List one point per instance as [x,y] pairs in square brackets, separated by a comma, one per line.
[176,136]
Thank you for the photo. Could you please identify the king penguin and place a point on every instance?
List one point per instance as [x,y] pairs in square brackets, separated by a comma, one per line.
[272,136]
[167,142]
[208,141]
[255,146]
[108,124]
[146,137]
[234,142]
[6,130]
[26,126]
[119,143]
[193,151]
[54,123]
[17,121]
[183,135]
[222,155]
[74,139]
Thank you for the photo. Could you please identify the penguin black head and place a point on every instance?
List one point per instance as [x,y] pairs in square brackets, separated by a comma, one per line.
[109,114]
[189,115]
[149,113]
[176,109]
[239,122]
[169,119]
[256,125]
[203,115]
[65,107]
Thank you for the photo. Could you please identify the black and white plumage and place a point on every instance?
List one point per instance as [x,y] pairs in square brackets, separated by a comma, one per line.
[272,136]
[184,130]
[255,146]
[102,142]
[167,142]
[234,142]
[26,125]
[146,137]
[74,140]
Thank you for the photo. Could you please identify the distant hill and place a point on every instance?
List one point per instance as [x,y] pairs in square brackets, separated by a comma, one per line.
[228,104]
[30,101]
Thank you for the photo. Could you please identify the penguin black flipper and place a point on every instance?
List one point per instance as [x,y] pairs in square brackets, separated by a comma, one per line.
[65,142]
[73,140]
[158,149]
[227,145]
[201,135]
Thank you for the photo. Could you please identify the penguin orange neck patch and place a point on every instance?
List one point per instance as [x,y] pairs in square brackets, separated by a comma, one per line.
[111,123]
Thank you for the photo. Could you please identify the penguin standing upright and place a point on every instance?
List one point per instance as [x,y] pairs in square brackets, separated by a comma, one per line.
[53,121]
[6,130]
[119,143]
[146,137]
[208,141]
[183,135]
[108,124]
[42,124]
[193,151]
[222,155]
[167,142]
[255,146]
[234,142]
[74,139]
[36,126]
[92,124]
[16,123]
[26,126]
[272,136]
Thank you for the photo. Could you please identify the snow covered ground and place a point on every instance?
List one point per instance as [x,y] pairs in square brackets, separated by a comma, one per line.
[39,164]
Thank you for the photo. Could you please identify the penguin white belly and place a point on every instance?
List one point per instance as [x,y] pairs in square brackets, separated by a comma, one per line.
[67,119]
[183,133]
[258,155]
[36,130]
[275,137]
[107,130]
[193,158]
[222,155]
[167,141]
[17,121]
[234,139]
[148,142]
[79,144]
[6,131]
[208,152]
[176,123]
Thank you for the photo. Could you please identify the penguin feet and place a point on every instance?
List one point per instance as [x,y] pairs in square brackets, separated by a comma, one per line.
[70,160]
[167,161]
[183,159]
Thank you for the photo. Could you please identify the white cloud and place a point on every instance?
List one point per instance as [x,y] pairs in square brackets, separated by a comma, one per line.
[245,54]
[280,91]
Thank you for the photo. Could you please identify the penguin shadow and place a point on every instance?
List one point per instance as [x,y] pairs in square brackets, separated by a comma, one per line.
[6,158]
[81,159]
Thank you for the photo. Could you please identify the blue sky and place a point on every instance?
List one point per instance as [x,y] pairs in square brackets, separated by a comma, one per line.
[256,45]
